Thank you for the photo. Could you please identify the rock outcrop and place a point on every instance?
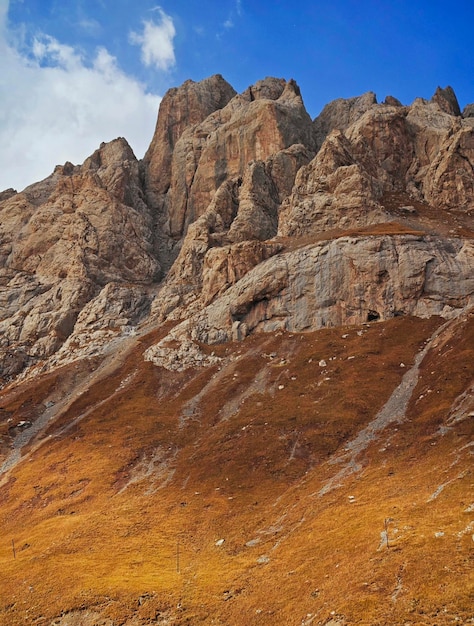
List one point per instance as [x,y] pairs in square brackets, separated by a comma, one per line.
[340,114]
[209,356]
[446,100]
[214,146]
[244,215]
[351,280]
[243,209]
[424,150]
[334,190]
[65,239]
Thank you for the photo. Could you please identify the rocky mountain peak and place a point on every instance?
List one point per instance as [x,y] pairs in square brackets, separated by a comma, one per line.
[392,101]
[210,355]
[468,111]
[341,113]
[269,88]
[446,100]
[180,108]
[171,234]
[7,193]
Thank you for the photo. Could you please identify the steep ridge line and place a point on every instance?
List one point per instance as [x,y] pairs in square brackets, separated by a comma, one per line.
[231,167]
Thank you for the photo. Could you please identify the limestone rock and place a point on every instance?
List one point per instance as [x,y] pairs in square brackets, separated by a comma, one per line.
[265,186]
[184,280]
[332,191]
[392,101]
[420,150]
[257,216]
[7,193]
[225,266]
[114,314]
[382,143]
[346,281]
[236,221]
[269,89]
[252,126]
[340,114]
[37,317]
[180,108]
[449,181]
[63,239]
[89,223]
[242,209]
[342,281]
[446,100]
[406,148]
[179,354]
[428,126]
[468,111]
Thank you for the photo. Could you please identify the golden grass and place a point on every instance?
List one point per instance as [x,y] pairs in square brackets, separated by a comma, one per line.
[250,476]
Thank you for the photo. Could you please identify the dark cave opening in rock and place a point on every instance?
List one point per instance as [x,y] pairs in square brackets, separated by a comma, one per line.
[373,316]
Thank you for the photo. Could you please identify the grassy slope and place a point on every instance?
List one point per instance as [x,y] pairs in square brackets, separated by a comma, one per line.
[98,510]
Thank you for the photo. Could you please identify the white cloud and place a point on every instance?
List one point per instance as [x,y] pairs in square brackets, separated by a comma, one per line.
[56,107]
[91,27]
[236,12]
[156,42]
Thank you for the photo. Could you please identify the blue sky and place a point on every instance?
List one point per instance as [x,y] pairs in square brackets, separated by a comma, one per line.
[78,72]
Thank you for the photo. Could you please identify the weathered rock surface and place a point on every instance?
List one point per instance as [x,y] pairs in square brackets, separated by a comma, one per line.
[62,241]
[334,190]
[392,101]
[87,222]
[446,100]
[340,114]
[225,266]
[242,210]
[341,282]
[180,108]
[222,225]
[262,121]
[7,193]
[236,225]
[425,150]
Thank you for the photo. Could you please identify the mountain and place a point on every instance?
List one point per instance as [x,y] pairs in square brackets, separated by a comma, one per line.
[245,358]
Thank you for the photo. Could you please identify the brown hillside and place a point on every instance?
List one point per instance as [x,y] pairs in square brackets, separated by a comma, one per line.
[98,510]
[236,377]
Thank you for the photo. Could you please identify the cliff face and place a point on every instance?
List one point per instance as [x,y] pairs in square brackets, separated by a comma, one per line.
[345,282]
[206,135]
[82,230]
[208,357]
[227,182]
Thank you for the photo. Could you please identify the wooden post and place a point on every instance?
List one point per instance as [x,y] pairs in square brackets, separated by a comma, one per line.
[13,548]
[386,531]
